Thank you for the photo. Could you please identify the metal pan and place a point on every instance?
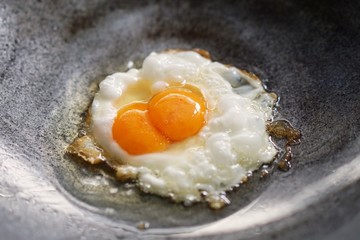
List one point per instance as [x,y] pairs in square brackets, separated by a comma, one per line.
[53,54]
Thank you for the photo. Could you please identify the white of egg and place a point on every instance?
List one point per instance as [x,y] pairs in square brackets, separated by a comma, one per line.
[233,142]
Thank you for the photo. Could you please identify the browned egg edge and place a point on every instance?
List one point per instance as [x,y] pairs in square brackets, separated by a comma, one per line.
[85,146]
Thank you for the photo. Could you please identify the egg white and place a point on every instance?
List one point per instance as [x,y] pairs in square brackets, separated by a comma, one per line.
[233,142]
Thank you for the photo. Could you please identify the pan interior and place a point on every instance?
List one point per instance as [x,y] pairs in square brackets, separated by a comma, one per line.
[59,51]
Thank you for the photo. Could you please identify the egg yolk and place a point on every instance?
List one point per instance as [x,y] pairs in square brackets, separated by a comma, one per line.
[170,116]
[177,113]
[133,131]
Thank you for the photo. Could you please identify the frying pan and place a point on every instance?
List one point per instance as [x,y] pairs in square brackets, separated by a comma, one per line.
[54,53]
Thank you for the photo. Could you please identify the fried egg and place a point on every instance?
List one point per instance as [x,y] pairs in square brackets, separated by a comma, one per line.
[184,126]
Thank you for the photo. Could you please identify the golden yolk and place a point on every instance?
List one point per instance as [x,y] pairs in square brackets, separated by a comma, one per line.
[133,131]
[171,115]
[177,113]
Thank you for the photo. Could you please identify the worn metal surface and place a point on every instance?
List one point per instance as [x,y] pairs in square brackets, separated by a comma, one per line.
[53,53]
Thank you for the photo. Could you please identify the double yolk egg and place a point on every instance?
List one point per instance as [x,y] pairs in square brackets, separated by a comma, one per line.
[183,126]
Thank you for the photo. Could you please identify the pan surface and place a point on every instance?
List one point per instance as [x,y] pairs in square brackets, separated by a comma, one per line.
[54,53]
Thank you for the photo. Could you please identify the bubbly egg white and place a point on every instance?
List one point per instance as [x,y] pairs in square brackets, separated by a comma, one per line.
[233,142]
